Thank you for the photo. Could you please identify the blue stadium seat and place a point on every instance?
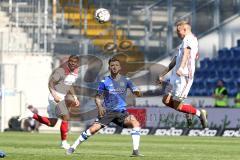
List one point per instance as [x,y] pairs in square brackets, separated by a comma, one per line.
[220,74]
[227,77]
[237,64]
[231,88]
[194,89]
[235,73]
[202,90]
[210,85]
[225,64]
[224,53]
[217,64]
[212,76]
[236,52]
[204,63]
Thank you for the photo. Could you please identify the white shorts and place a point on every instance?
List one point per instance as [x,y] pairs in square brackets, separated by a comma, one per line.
[180,86]
[56,110]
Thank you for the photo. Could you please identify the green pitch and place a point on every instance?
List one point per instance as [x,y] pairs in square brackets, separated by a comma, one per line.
[27,146]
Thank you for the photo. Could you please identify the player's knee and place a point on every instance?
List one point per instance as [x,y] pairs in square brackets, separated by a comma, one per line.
[95,128]
[164,100]
[134,121]
[135,124]
[65,117]
[52,122]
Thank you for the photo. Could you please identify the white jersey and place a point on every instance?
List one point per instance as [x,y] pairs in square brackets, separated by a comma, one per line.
[181,85]
[189,41]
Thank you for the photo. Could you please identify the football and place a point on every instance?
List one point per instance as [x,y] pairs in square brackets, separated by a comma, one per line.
[102,15]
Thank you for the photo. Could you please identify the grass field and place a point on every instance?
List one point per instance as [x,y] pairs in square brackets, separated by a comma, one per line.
[27,146]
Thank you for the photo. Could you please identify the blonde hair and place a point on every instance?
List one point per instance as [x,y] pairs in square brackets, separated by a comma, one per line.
[183,23]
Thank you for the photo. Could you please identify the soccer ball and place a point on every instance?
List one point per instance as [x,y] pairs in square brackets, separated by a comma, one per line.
[102,15]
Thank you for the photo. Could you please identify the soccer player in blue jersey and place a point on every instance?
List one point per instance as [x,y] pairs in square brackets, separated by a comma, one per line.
[113,89]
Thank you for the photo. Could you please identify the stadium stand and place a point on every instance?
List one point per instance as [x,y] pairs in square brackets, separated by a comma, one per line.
[224,66]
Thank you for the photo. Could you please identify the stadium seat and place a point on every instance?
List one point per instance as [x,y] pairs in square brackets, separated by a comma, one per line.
[236,52]
[235,73]
[204,63]
[210,85]
[232,89]
[223,53]
[201,89]
[225,64]
[227,77]
[236,63]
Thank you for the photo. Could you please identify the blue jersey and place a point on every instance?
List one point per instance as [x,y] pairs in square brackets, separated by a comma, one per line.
[115,92]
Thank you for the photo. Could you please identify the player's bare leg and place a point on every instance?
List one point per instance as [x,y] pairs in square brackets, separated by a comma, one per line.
[132,122]
[84,136]
[186,108]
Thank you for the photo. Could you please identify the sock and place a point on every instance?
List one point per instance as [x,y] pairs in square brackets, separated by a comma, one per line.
[64,130]
[135,137]
[83,137]
[44,120]
[187,108]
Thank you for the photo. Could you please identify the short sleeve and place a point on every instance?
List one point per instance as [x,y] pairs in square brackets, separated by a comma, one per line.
[101,88]
[56,76]
[188,42]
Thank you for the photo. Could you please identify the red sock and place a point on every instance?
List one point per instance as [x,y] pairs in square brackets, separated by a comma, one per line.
[64,130]
[187,108]
[44,120]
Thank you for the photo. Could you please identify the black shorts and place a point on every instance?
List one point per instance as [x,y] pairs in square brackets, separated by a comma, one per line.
[113,116]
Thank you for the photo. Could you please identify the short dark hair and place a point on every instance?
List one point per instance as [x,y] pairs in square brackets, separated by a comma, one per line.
[113,59]
[74,57]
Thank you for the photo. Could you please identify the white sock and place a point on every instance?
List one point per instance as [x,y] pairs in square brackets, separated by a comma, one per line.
[198,113]
[64,141]
[136,137]
[83,137]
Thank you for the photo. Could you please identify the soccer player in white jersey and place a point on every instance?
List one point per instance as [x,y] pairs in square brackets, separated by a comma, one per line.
[183,68]
[61,97]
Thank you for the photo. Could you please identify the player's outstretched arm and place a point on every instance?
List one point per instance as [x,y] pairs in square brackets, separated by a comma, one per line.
[169,68]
